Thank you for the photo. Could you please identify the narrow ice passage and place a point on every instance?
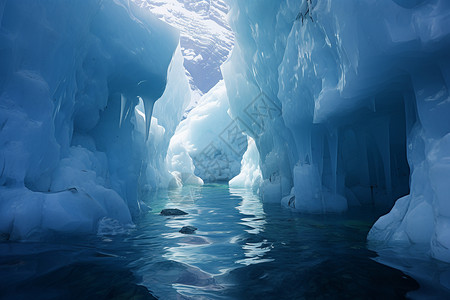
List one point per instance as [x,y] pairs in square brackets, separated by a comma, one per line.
[297,109]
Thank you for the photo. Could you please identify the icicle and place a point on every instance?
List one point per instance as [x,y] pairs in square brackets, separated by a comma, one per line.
[123,104]
[148,107]
[333,148]
[57,108]
[307,160]
[381,133]
[57,98]
[409,102]
[372,101]
[364,177]
[317,145]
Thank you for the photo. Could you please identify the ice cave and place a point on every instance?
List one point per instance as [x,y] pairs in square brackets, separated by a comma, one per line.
[225,149]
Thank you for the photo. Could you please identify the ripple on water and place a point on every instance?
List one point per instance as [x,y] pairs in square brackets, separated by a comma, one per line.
[243,249]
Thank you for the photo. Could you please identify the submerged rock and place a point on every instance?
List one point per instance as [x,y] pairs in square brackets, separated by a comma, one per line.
[188,229]
[173,212]
[194,240]
[4,237]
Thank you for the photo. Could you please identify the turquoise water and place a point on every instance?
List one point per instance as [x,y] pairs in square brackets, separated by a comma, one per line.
[243,249]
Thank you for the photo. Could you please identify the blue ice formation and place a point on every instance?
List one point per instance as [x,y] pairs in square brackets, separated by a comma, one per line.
[78,82]
[345,102]
[348,103]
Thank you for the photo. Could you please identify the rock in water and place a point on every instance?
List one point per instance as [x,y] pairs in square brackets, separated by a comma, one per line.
[188,229]
[173,212]
[4,237]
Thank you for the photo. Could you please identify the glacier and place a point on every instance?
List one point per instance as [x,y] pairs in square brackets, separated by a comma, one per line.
[348,104]
[78,85]
[324,105]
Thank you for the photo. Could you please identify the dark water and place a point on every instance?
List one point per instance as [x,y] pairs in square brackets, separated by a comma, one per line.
[243,249]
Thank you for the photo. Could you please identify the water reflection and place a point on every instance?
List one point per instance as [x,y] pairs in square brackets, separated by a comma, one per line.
[211,213]
[254,220]
[221,231]
[432,275]
[243,249]
[251,207]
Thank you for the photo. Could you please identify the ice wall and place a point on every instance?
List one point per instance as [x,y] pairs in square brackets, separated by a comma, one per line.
[73,147]
[208,144]
[251,78]
[167,114]
[355,107]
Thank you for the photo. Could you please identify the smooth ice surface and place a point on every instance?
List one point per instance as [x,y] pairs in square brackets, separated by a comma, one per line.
[78,82]
[348,103]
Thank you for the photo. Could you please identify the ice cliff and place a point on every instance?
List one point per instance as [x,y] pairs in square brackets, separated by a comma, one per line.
[78,82]
[348,103]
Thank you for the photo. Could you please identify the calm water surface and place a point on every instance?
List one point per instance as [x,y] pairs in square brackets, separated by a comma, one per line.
[243,249]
